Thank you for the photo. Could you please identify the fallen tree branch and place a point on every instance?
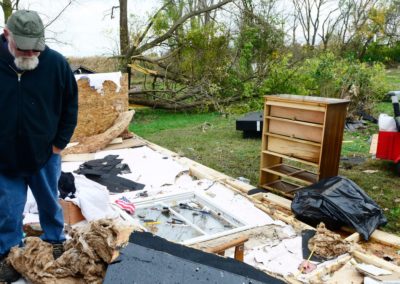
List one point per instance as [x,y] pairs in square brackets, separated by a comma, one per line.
[135,51]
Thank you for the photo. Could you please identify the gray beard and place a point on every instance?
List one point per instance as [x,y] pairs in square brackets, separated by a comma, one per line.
[26,63]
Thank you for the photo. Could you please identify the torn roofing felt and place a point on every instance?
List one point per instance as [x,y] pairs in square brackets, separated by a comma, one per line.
[105,172]
[151,259]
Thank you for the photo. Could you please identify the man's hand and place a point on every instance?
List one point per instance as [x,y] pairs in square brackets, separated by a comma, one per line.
[56,150]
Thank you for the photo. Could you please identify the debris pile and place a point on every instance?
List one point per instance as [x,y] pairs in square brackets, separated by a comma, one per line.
[85,259]
[327,244]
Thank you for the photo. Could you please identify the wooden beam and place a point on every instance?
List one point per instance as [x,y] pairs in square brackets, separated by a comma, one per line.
[372,259]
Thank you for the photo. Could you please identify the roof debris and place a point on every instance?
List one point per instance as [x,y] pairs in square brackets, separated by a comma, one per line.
[327,244]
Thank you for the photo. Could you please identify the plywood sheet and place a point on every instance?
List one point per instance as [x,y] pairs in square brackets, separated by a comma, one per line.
[98,110]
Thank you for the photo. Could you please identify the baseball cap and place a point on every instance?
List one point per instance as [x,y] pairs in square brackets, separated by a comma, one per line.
[28,30]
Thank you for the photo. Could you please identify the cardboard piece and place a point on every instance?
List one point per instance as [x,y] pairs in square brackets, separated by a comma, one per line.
[72,213]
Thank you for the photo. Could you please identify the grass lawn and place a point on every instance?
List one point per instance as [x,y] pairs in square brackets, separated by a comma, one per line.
[212,140]
[393,78]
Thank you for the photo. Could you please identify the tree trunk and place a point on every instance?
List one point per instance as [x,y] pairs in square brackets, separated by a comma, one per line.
[6,5]
[123,26]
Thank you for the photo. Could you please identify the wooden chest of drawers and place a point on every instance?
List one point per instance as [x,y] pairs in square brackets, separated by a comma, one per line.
[302,140]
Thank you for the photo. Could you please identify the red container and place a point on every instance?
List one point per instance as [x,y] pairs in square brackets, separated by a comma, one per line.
[388,146]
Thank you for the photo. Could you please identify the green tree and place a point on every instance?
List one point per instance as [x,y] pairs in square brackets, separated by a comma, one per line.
[8,6]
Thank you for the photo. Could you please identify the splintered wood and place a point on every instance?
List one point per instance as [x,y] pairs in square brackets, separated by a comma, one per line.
[98,111]
[85,258]
[97,142]
[327,244]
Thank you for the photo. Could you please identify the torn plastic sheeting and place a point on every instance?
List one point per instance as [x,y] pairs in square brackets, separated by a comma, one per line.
[93,199]
[338,201]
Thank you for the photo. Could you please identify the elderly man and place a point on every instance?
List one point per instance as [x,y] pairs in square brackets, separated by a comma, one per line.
[38,114]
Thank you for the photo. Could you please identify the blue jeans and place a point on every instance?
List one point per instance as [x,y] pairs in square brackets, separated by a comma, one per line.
[13,194]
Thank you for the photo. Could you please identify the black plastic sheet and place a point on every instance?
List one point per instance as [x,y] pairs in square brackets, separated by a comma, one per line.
[338,201]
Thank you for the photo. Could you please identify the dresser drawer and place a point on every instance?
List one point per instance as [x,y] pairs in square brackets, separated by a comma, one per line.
[297,114]
[295,130]
[294,149]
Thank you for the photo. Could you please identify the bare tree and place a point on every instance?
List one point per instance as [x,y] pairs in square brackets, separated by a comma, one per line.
[355,15]
[328,27]
[308,13]
[392,25]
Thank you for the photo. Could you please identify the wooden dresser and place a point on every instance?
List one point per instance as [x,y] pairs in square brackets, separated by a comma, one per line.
[301,142]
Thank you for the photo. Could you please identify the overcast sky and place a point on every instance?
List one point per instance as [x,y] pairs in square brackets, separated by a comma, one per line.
[86,25]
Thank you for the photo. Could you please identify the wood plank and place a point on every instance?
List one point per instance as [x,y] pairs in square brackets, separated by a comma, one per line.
[227,245]
[127,143]
[267,160]
[386,238]
[372,259]
[239,252]
[293,130]
[379,237]
[374,144]
[294,149]
[355,238]
[278,200]
[78,157]
[117,140]
[298,225]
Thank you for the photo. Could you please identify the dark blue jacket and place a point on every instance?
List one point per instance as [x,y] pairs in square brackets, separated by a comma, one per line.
[38,109]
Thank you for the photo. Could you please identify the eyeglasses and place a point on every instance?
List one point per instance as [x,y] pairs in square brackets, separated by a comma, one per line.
[26,50]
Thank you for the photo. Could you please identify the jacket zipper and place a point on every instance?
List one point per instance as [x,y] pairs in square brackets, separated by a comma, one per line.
[19,75]
[19,119]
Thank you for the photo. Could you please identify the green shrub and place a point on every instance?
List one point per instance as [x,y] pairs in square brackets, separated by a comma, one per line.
[387,54]
[327,75]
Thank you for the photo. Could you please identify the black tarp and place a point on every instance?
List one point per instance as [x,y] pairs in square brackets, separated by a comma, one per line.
[338,201]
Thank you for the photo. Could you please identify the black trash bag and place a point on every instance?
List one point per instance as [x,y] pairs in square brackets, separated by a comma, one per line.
[338,201]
